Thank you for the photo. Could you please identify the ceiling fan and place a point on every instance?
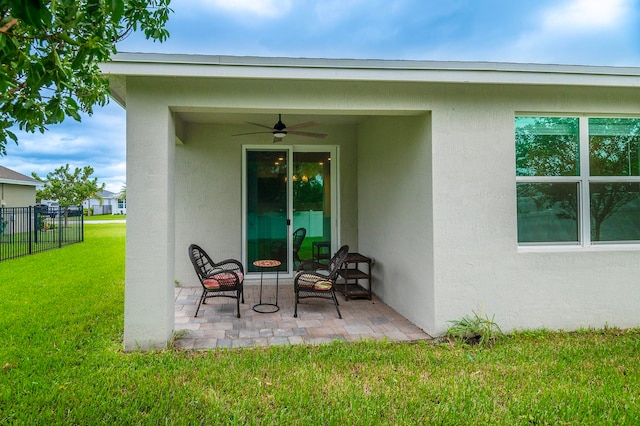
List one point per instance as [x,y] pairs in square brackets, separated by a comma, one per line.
[280,130]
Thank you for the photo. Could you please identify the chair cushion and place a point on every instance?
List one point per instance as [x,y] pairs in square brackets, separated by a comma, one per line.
[323,285]
[311,281]
[216,281]
[306,280]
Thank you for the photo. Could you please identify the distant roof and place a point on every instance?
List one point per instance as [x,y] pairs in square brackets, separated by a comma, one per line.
[13,177]
[106,194]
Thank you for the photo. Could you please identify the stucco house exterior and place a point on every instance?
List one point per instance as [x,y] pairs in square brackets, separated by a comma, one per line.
[506,189]
[16,189]
[108,203]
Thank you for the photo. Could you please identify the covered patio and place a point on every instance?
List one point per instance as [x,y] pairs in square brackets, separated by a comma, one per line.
[218,327]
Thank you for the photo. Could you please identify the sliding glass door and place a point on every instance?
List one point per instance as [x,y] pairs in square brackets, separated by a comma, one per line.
[312,204]
[288,205]
[267,206]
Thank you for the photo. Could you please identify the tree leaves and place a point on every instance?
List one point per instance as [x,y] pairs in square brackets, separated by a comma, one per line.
[31,12]
[67,187]
[50,51]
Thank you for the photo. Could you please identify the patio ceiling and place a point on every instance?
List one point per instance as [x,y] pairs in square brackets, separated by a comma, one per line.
[290,117]
[266,118]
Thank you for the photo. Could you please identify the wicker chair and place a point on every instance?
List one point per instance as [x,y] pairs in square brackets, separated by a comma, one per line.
[222,279]
[278,248]
[314,279]
[298,238]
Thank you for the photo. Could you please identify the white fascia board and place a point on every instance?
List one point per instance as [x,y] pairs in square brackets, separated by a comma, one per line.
[162,65]
[19,182]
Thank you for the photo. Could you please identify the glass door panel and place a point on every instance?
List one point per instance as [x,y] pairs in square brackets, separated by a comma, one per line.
[266,207]
[311,178]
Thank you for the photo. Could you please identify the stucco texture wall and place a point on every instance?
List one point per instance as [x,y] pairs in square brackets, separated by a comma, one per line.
[18,195]
[477,264]
[395,212]
[208,197]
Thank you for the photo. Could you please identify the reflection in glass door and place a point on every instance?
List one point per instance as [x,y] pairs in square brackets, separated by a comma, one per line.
[267,208]
[289,205]
[311,178]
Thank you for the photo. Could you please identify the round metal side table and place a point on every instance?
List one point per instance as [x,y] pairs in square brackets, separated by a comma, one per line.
[267,308]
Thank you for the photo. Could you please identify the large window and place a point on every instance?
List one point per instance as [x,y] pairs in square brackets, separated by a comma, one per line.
[578,180]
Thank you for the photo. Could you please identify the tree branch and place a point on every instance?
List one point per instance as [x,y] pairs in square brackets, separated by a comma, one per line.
[6,27]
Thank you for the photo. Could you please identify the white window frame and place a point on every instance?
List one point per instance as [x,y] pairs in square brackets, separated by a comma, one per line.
[584,208]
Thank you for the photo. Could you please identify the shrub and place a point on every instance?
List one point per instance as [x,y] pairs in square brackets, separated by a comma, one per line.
[474,329]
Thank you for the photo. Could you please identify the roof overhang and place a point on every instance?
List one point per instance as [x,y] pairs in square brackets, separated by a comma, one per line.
[124,65]
[20,182]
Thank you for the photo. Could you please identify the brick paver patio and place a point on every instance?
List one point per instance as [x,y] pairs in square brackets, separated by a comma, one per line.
[218,327]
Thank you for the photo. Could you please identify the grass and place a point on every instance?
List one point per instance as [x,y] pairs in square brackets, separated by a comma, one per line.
[15,245]
[105,217]
[61,363]
[305,251]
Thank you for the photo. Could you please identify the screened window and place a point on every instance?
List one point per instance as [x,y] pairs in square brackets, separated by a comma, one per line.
[578,180]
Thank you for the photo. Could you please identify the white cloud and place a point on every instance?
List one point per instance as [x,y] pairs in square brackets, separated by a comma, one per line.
[569,31]
[263,8]
[586,15]
[98,141]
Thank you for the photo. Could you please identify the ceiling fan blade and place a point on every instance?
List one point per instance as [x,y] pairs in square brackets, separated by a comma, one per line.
[281,128]
[260,125]
[309,134]
[251,133]
[301,125]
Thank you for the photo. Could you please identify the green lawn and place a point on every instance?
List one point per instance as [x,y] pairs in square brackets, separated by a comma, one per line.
[61,363]
[105,217]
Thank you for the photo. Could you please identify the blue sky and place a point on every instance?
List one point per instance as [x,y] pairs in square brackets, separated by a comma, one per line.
[583,32]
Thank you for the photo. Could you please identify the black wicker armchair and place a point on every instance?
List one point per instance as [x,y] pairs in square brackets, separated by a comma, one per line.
[298,237]
[222,279]
[278,248]
[315,279]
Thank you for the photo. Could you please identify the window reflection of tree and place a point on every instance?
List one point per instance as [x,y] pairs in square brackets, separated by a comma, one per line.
[550,147]
[614,144]
[308,186]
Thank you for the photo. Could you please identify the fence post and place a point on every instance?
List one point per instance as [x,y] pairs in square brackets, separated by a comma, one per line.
[29,230]
[36,223]
[59,227]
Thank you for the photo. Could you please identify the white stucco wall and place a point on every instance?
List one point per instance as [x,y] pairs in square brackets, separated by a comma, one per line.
[462,255]
[395,219]
[150,259]
[477,262]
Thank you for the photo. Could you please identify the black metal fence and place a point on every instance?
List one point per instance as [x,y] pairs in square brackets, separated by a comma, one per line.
[28,230]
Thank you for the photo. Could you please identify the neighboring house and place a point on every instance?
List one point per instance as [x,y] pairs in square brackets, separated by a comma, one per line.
[108,203]
[16,189]
[475,186]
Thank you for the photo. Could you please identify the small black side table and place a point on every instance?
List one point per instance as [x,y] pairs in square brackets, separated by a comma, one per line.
[354,289]
[267,264]
[320,250]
